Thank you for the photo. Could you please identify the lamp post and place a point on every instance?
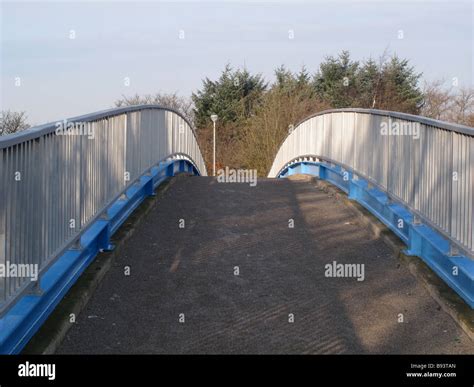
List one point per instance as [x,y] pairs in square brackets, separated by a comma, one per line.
[214,119]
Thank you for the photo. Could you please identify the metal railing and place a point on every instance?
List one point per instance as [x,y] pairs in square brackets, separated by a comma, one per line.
[57,178]
[427,165]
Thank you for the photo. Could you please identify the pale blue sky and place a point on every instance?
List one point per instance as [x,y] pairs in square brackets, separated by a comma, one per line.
[61,77]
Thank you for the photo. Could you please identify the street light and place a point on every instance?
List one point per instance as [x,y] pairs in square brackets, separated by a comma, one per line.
[214,119]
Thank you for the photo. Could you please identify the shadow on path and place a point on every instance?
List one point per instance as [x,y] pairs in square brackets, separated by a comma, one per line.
[190,272]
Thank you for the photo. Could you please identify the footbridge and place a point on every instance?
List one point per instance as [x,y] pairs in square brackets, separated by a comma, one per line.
[235,268]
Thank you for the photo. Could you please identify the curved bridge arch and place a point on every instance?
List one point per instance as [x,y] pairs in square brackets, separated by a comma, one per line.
[415,174]
[66,187]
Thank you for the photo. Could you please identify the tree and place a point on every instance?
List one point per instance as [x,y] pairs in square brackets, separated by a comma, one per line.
[12,122]
[447,103]
[336,80]
[463,107]
[233,97]
[369,81]
[290,99]
[399,89]
[391,84]
[436,100]
[254,116]
[172,101]
[288,82]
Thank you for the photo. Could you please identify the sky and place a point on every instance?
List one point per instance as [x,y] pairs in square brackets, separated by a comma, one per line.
[60,59]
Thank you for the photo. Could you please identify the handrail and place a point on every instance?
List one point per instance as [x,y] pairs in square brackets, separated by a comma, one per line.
[41,130]
[433,175]
[404,116]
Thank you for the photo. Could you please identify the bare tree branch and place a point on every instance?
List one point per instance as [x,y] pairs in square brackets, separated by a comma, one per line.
[12,122]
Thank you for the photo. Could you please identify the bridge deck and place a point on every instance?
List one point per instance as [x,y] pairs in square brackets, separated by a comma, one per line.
[191,271]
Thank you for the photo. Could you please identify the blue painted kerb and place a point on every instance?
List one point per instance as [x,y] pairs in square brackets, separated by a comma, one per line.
[23,320]
[421,240]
